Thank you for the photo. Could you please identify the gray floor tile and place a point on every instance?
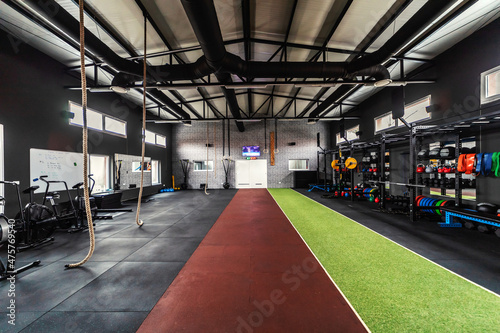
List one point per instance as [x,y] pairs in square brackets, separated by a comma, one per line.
[166,250]
[128,286]
[91,322]
[22,320]
[111,249]
[50,285]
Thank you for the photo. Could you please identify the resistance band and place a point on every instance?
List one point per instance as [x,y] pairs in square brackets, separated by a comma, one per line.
[85,143]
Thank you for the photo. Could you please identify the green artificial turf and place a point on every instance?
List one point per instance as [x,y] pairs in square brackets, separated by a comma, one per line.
[392,289]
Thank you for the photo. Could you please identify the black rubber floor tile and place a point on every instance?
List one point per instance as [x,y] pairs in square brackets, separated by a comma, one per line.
[166,250]
[50,285]
[110,229]
[111,249]
[91,322]
[186,229]
[148,230]
[63,245]
[128,286]
[22,319]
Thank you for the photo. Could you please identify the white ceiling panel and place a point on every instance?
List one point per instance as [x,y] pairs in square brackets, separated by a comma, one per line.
[359,20]
[309,19]
[271,19]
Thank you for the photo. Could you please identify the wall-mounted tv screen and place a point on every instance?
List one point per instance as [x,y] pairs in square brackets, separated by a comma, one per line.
[250,151]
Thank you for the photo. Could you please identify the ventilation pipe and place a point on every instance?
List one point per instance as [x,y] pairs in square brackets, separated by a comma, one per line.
[426,14]
[216,60]
[203,19]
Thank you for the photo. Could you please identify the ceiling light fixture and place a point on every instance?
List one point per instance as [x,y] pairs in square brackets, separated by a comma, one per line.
[248,120]
[119,90]
[382,83]
[312,121]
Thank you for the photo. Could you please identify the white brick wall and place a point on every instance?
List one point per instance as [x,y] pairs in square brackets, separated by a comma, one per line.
[189,143]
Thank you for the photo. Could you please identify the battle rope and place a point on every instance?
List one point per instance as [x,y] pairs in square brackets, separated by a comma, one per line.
[215,152]
[206,183]
[141,222]
[85,143]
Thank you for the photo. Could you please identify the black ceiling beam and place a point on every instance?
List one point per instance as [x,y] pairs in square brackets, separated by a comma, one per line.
[119,40]
[183,50]
[302,46]
[35,19]
[383,26]
[176,56]
[285,43]
[339,19]
[333,29]
[375,35]
[452,16]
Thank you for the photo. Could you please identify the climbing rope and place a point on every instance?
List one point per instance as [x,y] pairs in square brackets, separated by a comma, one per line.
[206,182]
[85,143]
[137,220]
[215,152]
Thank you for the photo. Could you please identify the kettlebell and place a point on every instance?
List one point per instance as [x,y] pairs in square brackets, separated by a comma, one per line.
[420,168]
[429,169]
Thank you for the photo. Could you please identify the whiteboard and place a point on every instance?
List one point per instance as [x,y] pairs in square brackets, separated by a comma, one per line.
[57,165]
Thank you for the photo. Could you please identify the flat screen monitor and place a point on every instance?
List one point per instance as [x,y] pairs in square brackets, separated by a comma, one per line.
[250,151]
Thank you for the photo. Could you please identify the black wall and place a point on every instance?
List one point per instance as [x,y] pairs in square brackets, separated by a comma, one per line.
[456,92]
[32,96]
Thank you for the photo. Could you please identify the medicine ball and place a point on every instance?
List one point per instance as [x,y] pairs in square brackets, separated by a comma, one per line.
[486,207]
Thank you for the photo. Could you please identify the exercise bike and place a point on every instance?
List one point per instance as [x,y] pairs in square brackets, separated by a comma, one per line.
[64,212]
[16,232]
[79,203]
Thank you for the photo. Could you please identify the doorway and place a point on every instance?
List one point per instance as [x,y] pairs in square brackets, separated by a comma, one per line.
[251,173]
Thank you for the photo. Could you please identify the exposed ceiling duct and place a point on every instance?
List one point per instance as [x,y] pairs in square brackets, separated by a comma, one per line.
[216,60]
[424,16]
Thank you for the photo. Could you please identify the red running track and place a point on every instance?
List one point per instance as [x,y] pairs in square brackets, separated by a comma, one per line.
[252,273]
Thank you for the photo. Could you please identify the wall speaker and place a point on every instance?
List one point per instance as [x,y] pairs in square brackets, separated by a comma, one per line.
[398,102]
[431,108]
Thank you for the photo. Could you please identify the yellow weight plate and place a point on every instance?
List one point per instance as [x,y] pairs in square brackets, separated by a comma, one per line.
[335,164]
[351,163]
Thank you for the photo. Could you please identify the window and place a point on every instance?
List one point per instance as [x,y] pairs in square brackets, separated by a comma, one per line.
[161,140]
[490,85]
[150,137]
[97,121]
[384,122]
[156,139]
[155,172]
[115,126]
[416,111]
[99,168]
[298,164]
[203,165]
[351,134]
